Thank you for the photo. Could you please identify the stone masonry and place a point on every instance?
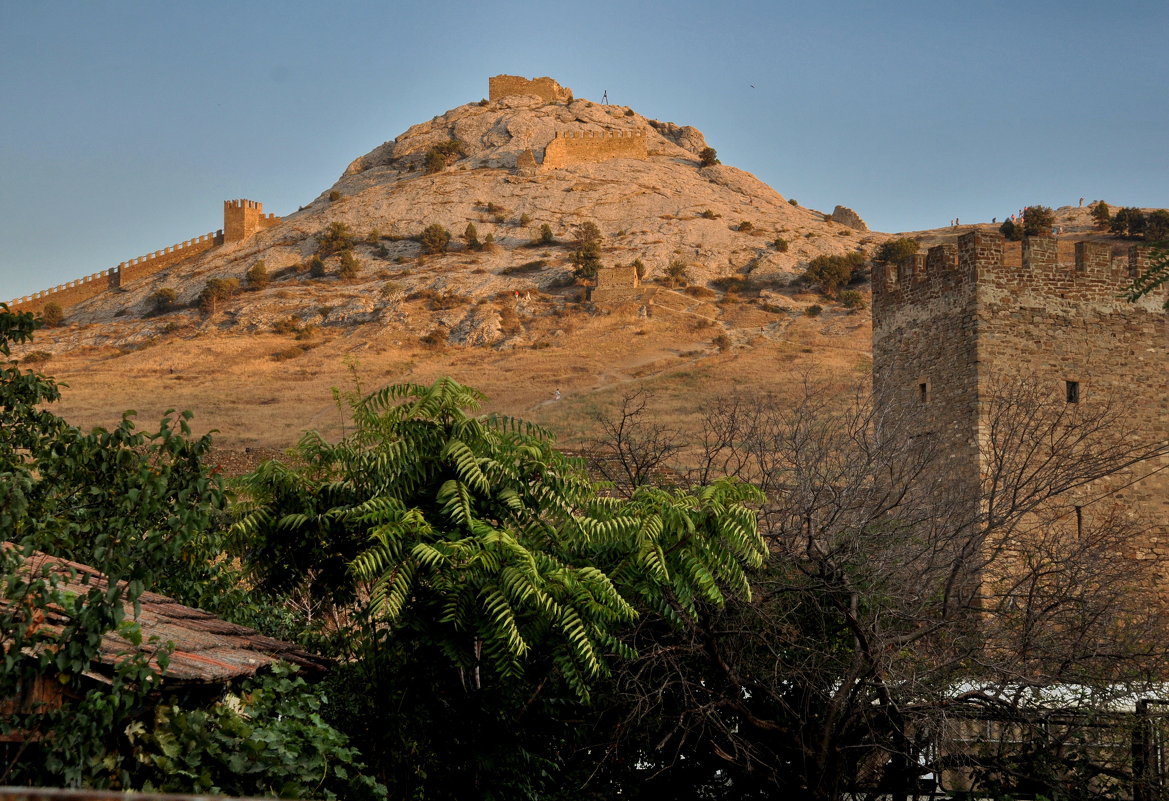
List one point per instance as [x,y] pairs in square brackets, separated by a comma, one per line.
[500,86]
[950,324]
[585,147]
[241,220]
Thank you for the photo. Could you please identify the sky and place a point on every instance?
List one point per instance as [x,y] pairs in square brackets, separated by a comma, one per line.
[124,125]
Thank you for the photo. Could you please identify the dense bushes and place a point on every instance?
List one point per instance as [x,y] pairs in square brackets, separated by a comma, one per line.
[829,273]
[442,156]
[434,239]
[894,251]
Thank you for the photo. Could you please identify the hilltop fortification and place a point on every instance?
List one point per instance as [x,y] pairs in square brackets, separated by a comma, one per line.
[501,86]
[592,146]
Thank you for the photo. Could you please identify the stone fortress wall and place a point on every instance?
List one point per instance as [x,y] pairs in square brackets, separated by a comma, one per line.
[584,147]
[500,86]
[949,324]
[241,219]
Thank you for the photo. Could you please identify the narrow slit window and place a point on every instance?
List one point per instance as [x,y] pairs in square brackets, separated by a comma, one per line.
[1073,391]
[923,392]
[1080,522]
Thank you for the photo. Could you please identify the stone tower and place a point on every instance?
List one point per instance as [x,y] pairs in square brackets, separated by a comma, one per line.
[949,325]
[243,218]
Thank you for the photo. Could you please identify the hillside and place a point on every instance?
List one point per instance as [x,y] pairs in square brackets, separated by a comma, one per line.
[720,308]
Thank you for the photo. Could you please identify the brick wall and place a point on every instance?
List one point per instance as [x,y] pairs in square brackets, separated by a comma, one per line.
[545,88]
[583,147]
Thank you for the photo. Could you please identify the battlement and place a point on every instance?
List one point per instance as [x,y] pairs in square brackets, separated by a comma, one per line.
[583,147]
[241,219]
[1087,273]
[500,86]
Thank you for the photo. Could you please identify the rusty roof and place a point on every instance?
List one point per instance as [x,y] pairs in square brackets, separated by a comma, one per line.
[206,649]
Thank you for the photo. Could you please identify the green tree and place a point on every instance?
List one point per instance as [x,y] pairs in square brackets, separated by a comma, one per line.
[490,584]
[1038,221]
[471,237]
[708,157]
[442,156]
[216,292]
[1100,213]
[831,272]
[163,299]
[586,252]
[1128,221]
[434,239]
[1157,226]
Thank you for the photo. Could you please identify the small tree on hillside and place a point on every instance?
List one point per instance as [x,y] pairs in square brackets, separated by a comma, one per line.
[1100,213]
[708,157]
[163,299]
[471,236]
[349,267]
[434,239]
[586,254]
[257,276]
[1038,221]
[830,273]
[896,250]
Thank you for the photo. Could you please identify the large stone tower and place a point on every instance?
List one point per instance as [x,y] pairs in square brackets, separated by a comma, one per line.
[244,218]
[949,326]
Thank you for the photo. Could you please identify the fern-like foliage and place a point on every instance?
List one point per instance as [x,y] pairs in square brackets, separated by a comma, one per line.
[475,537]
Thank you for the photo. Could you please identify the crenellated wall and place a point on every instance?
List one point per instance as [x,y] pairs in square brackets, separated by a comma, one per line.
[583,147]
[545,88]
[241,220]
[950,326]
[245,218]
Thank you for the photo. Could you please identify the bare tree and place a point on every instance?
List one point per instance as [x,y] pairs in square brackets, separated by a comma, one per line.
[901,585]
[633,449]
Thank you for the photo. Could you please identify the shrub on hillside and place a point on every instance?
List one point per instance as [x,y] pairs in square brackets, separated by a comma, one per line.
[434,239]
[349,267]
[896,251]
[1010,231]
[257,276]
[1129,221]
[544,236]
[830,273]
[334,239]
[677,272]
[162,299]
[1157,225]
[443,155]
[780,244]
[316,267]
[52,315]
[586,253]
[36,357]
[851,299]
[708,157]
[814,310]
[471,237]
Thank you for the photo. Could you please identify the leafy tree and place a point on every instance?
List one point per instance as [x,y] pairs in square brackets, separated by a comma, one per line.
[586,253]
[257,276]
[678,272]
[1100,213]
[638,268]
[544,236]
[434,239]
[216,292]
[1038,221]
[1157,226]
[489,584]
[830,273]
[1010,231]
[708,157]
[1128,221]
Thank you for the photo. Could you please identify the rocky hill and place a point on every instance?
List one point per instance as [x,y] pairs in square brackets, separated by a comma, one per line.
[720,306]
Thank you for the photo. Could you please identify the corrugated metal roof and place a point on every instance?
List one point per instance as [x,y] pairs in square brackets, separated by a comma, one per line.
[206,648]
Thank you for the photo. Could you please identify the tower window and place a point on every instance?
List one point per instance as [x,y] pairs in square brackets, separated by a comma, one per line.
[923,392]
[1073,391]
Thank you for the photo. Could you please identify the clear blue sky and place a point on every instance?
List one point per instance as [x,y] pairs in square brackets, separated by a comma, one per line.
[123,125]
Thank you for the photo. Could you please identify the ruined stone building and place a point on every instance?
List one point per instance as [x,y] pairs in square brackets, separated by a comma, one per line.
[954,326]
